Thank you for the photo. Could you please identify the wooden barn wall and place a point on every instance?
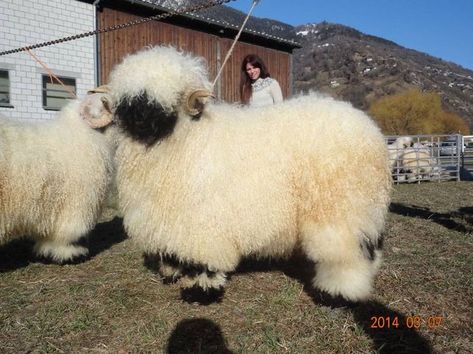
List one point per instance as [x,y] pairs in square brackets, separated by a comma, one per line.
[116,44]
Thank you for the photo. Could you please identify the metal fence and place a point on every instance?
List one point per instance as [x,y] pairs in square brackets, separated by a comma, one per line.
[466,172]
[417,158]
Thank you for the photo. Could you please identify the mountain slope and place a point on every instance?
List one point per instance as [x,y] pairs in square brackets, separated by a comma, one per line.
[359,68]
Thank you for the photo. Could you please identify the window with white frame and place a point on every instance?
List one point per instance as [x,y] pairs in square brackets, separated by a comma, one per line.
[55,94]
[4,89]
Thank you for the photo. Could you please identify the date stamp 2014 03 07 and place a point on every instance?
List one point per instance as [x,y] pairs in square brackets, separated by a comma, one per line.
[395,322]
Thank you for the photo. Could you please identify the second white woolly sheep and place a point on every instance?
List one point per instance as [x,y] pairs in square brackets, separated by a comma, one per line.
[54,177]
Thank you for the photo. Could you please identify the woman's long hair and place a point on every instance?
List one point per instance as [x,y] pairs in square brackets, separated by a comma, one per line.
[245,81]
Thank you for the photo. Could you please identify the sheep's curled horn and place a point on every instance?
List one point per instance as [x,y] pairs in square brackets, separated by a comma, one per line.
[96,108]
[196,101]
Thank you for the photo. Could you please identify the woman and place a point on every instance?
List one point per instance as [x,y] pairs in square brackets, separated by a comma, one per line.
[257,88]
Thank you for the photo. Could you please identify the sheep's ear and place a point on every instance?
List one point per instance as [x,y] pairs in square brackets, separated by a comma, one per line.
[144,120]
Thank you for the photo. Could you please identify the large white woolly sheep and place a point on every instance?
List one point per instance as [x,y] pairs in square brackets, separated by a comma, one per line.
[204,188]
[54,177]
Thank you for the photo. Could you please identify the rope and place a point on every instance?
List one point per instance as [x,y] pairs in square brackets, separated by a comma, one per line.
[51,74]
[184,11]
[229,53]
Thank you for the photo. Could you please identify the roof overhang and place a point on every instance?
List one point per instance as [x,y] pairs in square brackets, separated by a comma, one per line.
[200,22]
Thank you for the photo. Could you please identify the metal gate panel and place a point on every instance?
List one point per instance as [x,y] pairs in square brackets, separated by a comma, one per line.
[417,158]
[467,158]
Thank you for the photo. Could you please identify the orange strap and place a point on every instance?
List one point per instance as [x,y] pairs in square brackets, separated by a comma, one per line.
[51,74]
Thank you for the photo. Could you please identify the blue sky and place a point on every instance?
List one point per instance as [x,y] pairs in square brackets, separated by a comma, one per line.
[441,28]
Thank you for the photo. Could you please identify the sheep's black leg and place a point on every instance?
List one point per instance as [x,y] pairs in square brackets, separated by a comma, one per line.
[368,247]
[167,266]
[189,274]
[202,285]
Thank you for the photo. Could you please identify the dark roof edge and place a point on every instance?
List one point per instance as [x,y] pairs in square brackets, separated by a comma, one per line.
[248,35]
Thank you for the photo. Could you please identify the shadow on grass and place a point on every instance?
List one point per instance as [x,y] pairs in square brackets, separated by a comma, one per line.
[444,219]
[187,336]
[198,335]
[104,236]
[18,253]
[385,340]
[389,340]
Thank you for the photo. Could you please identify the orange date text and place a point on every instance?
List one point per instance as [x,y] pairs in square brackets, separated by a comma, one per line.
[395,322]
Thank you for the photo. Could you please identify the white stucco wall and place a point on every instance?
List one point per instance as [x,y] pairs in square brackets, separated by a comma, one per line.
[26,22]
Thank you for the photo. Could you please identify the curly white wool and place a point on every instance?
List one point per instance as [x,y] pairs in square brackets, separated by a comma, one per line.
[310,172]
[54,177]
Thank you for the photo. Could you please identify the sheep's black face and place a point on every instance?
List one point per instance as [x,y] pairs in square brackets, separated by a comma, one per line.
[144,121]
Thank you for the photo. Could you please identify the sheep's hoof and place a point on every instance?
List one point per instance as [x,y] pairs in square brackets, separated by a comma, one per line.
[206,280]
[169,273]
[352,283]
[196,294]
[204,288]
[166,266]
[60,253]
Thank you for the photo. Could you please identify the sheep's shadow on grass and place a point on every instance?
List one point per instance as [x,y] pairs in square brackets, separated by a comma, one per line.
[197,335]
[18,253]
[202,297]
[445,219]
[104,236]
[385,340]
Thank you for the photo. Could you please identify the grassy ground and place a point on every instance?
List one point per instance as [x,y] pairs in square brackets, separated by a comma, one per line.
[114,303]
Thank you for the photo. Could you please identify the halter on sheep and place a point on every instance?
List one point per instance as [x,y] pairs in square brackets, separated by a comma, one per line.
[204,193]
